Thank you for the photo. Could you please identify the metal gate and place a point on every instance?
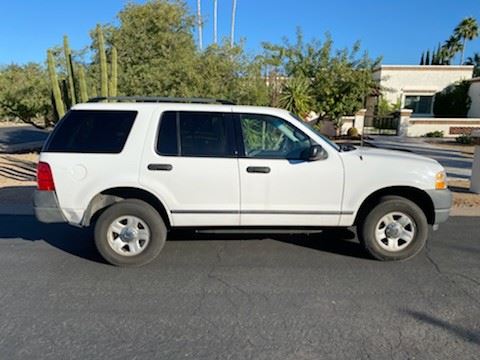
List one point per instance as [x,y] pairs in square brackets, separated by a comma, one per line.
[380,125]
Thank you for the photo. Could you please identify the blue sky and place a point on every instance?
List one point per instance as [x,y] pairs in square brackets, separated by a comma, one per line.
[397,29]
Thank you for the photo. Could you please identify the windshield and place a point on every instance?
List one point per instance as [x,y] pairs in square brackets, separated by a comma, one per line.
[316,131]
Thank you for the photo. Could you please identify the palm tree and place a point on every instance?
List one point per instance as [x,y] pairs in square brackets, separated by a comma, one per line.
[466,30]
[232,30]
[475,61]
[199,24]
[444,55]
[215,8]
[454,46]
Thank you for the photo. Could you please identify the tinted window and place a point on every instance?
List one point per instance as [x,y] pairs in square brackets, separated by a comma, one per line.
[270,137]
[87,131]
[167,135]
[200,134]
[419,104]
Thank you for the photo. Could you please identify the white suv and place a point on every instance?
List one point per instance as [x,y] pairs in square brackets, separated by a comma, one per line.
[137,167]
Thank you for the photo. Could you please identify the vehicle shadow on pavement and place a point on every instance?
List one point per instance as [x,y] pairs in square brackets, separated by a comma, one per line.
[459,331]
[336,241]
[79,242]
[72,240]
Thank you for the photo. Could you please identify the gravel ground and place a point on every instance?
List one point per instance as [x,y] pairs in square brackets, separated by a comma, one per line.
[18,169]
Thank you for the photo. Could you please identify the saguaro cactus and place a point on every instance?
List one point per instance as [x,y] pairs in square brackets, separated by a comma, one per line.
[82,84]
[69,65]
[103,62]
[57,95]
[94,91]
[112,91]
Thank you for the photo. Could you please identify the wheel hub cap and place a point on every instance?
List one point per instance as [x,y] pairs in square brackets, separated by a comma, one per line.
[128,234]
[395,231]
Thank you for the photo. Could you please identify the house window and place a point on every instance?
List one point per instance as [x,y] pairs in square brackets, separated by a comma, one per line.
[419,104]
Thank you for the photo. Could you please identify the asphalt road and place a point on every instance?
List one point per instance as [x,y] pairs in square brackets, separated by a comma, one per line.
[291,297]
[16,138]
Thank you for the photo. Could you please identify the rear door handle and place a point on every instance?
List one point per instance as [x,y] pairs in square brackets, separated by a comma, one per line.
[160,167]
[258,169]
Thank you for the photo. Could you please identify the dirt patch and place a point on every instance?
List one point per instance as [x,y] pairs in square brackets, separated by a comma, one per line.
[463,198]
[18,169]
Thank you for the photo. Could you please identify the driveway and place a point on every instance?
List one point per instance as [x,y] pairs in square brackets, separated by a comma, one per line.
[457,164]
[237,297]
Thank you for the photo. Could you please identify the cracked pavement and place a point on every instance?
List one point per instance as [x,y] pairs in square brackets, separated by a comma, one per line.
[237,297]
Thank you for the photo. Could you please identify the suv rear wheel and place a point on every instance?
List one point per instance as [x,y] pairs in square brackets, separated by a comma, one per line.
[395,229]
[130,233]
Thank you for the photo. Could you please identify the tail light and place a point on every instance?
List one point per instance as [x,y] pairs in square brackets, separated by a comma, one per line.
[45,177]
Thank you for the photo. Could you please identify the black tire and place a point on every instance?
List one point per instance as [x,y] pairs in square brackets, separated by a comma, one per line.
[147,214]
[392,204]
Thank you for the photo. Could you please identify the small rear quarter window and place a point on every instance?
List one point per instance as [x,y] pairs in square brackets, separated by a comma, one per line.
[91,131]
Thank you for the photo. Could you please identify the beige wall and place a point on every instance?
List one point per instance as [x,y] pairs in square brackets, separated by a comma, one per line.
[401,80]
[420,126]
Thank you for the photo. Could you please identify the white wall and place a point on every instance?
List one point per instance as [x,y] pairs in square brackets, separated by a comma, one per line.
[404,80]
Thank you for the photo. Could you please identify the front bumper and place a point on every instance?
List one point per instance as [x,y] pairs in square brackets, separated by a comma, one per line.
[46,208]
[442,203]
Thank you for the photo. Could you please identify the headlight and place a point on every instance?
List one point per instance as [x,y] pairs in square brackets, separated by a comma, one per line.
[441,180]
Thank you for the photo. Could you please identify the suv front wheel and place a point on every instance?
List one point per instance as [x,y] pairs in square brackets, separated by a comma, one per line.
[395,229]
[130,233]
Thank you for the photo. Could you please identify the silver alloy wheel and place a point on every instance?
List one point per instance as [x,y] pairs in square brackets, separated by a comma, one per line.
[128,235]
[395,231]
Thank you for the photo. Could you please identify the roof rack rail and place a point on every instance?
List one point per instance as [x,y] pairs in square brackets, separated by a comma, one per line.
[160,99]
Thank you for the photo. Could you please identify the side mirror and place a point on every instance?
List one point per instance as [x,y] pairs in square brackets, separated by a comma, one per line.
[316,152]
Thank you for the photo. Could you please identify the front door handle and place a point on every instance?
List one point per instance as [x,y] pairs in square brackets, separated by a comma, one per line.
[160,167]
[258,169]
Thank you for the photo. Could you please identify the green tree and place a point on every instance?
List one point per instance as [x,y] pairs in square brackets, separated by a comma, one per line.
[156,49]
[227,72]
[25,94]
[466,30]
[340,80]
[475,61]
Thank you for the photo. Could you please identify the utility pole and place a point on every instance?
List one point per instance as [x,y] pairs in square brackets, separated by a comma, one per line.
[199,24]
[232,30]
[215,7]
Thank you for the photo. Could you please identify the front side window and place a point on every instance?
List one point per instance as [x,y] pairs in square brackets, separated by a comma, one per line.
[266,136]
[193,134]
[419,104]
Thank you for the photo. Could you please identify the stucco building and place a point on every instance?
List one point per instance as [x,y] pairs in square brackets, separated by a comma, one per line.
[415,86]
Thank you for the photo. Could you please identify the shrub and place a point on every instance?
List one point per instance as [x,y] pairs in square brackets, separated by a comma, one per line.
[435,134]
[352,132]
[453,101]
[464,140]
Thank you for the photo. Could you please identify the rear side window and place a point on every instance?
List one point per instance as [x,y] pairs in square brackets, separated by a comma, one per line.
[196,134]
[92,131]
